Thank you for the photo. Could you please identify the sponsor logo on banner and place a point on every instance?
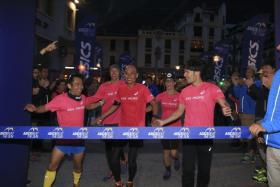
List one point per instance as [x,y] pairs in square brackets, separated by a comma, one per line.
[258,29]
[88,30]
[132,133]
[183,133]
[56,133]
[82,133]
[107,133]
[158,133]
[208,133]
[234,133]
[8,132]
[33,133]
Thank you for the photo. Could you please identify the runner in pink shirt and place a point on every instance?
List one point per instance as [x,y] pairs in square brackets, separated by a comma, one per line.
[132,99]
[198,101]
[70,109]
[169,102]
[108,91]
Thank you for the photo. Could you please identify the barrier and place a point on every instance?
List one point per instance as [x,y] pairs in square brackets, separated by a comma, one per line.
[32,132]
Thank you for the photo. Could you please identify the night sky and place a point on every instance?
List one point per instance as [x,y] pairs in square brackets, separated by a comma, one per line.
[127,16]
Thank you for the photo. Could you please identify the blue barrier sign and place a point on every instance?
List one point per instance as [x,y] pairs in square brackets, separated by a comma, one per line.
[32,132]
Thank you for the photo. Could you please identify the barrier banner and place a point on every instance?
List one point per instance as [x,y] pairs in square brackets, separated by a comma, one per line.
[31,132]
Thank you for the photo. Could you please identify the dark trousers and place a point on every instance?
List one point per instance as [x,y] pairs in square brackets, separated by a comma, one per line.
[109,152]
[200,152]
[117,150]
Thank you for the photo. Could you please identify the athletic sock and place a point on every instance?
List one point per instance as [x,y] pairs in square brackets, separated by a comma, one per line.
[76,177]
[49,178]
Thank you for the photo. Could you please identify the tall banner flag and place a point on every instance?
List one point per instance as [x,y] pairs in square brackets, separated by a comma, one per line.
[124,60]
[253,42]
[221,49]
[85,41]
[277,31]
[98,54]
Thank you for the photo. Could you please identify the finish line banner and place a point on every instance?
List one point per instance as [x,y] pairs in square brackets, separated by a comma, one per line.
[95,133]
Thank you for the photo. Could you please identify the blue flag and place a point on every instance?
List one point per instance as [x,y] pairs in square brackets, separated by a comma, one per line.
[124,60]
[85,41]
[221,49]
[98,54]
[253,42]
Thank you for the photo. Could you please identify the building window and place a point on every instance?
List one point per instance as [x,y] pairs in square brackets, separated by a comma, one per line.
[181,60]
[167,44]
[148,60]
[197,17]
[197,46]
[112,60]
[212,17]
[182,45]
[211,32]
[45,6]
[113,45]
[210,45]
[167,60]
[148,43]
[197,31]
[126,45]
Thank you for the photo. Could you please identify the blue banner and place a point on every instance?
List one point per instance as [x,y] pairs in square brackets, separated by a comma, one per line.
[124,60]
[253,42]
[221,49]
[29,132]
[98,54]
[85,41]
[207,56]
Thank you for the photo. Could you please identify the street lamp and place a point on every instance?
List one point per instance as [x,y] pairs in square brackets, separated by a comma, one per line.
[216,59]
[177,68]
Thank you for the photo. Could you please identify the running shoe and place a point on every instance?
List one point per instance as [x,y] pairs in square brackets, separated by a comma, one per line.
[260,178]
[118,184]
[129,184]
[166,175]
[247,158]
[176,164]
[109,176]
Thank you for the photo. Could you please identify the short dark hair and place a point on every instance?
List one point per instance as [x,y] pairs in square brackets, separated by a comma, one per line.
[194,65]
[114,66]
[268,63]
[72,76]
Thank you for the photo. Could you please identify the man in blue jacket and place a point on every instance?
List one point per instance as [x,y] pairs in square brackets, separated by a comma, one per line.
[271,125]
[247,109]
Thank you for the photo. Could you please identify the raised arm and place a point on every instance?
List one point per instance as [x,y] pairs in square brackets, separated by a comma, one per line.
[33,108]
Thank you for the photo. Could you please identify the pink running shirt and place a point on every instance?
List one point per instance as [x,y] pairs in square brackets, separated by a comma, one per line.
[133,104]
[70,113]
[169,104]
[200,103]
[108,92]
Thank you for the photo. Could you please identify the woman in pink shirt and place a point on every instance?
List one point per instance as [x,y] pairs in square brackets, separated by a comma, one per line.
[168,102]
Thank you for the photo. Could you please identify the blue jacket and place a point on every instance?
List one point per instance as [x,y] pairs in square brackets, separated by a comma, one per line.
[271,121]
[247,104]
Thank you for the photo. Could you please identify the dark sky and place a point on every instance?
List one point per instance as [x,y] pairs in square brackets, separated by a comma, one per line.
[127,16]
